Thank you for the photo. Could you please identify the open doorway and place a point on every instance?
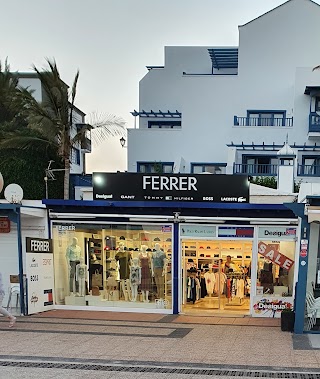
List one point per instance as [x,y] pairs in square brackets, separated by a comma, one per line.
[216,276]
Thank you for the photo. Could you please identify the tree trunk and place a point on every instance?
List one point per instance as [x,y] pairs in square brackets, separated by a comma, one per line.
[66,181]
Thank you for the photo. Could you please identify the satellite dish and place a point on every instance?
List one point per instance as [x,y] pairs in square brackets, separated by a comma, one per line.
[13,193]
[1,182]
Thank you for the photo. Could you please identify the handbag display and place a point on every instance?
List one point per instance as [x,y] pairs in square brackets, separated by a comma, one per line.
[96,280]
[95,291]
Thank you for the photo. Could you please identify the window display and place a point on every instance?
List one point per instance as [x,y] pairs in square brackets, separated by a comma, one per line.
[114,265]
[275,270]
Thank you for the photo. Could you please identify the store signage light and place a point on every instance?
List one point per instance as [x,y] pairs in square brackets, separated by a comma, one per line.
[170,187]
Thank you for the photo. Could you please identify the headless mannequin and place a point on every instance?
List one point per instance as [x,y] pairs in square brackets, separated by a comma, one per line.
[158,268]
[123,261]
[81,272]
[145,273]
[135,278]
[73,255]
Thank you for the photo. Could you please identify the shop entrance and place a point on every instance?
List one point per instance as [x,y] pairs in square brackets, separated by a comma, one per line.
[216,276]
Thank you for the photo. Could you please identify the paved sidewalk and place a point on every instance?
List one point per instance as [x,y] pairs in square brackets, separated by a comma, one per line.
[151,346]
[143,317]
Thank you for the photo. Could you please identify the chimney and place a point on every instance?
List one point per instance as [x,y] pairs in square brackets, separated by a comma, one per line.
[286,158]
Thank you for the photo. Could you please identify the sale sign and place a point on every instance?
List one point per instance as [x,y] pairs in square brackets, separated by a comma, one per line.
[274,255]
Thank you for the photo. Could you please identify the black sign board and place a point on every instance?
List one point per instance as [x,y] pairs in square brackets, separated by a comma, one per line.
[170,187]
[38,245]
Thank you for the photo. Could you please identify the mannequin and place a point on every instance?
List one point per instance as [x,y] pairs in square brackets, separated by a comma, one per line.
[158,268]
[73,254]
[210,280]
[123,259]
[145,273]
[135,278]
[81,273]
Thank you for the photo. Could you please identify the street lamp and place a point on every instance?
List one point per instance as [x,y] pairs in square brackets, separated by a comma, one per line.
[122,141]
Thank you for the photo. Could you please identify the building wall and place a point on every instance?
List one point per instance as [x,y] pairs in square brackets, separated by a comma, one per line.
[276,55]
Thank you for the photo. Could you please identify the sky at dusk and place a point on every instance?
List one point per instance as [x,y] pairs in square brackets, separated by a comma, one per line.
[111,42]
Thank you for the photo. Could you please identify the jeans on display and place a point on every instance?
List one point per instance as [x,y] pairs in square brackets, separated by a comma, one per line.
[159,278]
[74,286]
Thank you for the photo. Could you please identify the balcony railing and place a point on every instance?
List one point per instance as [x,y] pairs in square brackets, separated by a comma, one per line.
[308,170]
[255,169]
[314,122]
[263,121]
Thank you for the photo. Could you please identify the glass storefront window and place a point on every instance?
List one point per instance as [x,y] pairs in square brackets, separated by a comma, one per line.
[114,265]
[275,271]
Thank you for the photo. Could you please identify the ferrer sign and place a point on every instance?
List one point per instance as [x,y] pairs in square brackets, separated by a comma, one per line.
[38,245]
[170,187]
[269,252]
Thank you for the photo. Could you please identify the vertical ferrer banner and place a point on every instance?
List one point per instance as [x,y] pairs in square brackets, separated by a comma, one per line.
[40,274]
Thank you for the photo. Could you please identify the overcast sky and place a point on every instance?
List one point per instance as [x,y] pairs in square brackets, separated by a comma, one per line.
[111,42]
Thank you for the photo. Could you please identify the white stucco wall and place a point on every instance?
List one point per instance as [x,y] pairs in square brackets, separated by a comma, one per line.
[276,55]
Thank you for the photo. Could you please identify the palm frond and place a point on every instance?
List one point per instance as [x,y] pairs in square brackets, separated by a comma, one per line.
[105,126]
[30,143]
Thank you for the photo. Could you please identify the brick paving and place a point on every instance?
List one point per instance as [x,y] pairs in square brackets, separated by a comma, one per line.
[151,339]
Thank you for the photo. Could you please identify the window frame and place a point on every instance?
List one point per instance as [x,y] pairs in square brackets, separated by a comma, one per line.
[150,164]
[260,112]
[206,164]
[75,156]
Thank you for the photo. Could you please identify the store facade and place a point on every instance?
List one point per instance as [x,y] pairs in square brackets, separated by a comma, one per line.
[168,256]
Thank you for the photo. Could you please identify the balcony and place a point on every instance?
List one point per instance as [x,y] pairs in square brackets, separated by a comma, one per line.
[276,122]
[256,169]
[309,170]
[314,123]
[86,145]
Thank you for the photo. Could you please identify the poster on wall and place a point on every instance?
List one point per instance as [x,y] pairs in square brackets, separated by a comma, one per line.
[40,275]
[270,306]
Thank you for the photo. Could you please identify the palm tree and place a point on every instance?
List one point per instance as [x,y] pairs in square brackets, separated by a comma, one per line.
[54,119]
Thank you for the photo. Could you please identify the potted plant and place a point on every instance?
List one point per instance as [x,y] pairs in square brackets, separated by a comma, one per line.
[287,320]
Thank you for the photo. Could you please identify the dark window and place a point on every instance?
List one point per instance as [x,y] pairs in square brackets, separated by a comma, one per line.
[213,168]
[164,124]
[310,166]
[155,167]
[75,156]
[259,164]
[266,118]
[317,104]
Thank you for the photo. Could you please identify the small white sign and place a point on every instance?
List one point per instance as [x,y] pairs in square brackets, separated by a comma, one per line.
[197,230]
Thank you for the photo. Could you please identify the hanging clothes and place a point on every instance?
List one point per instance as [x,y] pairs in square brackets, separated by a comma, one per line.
[203,292]
[193,285]
[210,282]
[228,292]
[233,288]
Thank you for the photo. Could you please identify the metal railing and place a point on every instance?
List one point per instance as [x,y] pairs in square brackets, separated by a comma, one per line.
[256,169]
[263,121]
[308,170]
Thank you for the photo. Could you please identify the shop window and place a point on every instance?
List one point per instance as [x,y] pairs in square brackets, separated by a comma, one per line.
[155,167]
[212,168]
[113,265]
[275,268]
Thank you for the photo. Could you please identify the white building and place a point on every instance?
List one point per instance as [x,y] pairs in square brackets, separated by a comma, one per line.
[230,109]
[32,82]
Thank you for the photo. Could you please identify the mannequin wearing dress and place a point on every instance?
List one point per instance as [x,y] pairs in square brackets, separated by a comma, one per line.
[158,268]
[123,258]
[73,255]
[145,285]
[135,278]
